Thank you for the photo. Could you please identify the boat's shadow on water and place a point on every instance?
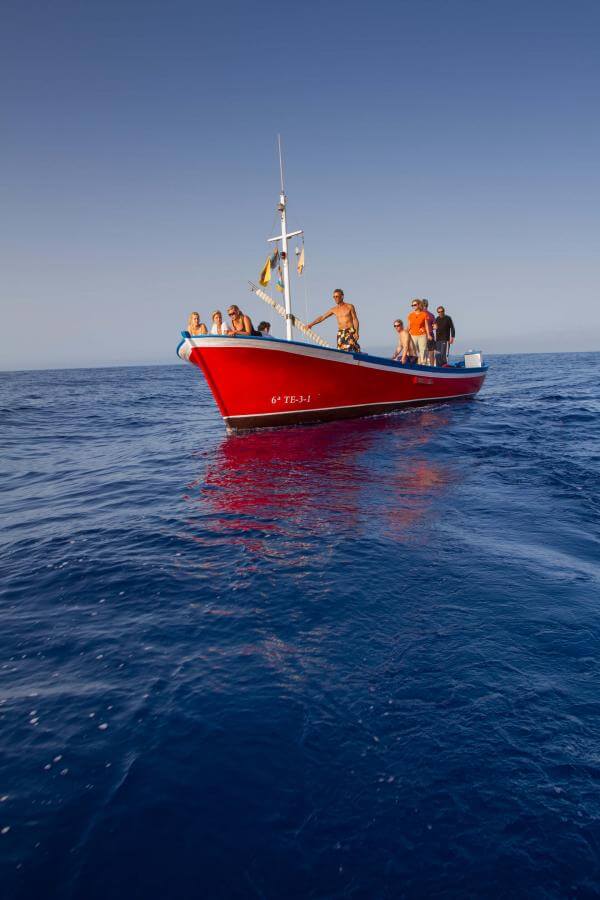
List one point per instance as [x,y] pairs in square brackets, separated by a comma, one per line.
[364,476]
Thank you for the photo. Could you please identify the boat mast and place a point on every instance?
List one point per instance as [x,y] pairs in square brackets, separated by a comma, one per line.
[283,237]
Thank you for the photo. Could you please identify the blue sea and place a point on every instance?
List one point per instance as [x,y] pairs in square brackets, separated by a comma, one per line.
[352,660]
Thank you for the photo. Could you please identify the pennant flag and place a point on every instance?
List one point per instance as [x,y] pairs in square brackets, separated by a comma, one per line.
[279,284]
[265,276]
[275,258]
[301,261]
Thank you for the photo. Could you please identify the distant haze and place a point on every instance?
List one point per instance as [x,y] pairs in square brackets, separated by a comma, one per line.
[446,150]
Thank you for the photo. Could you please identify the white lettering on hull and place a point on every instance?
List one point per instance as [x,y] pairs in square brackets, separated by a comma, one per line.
[290,399]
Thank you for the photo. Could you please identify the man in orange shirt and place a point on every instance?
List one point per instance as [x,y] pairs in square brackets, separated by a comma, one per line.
[420,332]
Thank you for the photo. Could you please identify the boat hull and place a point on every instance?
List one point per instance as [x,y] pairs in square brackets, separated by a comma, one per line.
[258,382]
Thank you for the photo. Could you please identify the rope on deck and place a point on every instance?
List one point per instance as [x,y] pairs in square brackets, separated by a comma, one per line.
[296,322]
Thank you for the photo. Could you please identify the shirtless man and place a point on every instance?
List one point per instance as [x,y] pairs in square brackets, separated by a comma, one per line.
[240,323]
[347,336]
[405,348]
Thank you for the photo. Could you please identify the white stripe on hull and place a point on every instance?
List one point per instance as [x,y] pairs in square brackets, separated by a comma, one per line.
[319,409]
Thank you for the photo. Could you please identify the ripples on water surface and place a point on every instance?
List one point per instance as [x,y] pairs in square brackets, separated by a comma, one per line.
[350,660]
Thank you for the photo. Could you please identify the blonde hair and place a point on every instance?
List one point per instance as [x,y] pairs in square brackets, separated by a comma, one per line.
[201,325]
[212,318]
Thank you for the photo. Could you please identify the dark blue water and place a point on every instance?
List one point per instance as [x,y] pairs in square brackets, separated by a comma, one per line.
[351,660]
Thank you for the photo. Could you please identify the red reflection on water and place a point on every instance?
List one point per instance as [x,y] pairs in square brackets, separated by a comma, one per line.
[361,477]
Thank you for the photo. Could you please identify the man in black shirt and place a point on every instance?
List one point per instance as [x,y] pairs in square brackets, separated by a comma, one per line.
[444,334]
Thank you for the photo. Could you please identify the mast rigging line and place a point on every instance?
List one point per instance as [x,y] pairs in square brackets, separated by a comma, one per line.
[298,323]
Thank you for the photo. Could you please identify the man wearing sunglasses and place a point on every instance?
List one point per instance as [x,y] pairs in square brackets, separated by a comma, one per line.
[444,335]
[420,332]
[405,351]
[347,336]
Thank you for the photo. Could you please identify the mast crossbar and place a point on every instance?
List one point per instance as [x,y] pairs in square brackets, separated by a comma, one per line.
[279,237]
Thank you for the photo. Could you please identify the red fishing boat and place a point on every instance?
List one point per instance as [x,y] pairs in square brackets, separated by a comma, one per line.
[258,381]
[264,381]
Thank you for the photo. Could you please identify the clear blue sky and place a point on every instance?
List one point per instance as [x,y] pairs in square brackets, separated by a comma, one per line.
[434,148]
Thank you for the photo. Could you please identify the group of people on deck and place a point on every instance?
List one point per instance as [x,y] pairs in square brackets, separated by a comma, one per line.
[426,341]
[239,324]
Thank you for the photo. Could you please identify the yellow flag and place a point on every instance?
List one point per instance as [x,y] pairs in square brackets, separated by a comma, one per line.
[301,262]
[265,276]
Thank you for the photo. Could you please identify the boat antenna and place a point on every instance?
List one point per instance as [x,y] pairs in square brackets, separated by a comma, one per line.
[280,162]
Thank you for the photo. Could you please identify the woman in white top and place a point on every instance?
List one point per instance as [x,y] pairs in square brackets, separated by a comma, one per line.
[218,326]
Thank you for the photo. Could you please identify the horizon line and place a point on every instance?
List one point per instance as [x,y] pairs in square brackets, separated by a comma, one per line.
[157,365]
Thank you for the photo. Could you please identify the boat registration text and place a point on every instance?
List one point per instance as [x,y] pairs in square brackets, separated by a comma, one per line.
[290,399]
